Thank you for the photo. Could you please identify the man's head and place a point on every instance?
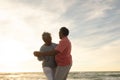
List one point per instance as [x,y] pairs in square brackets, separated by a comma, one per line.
[46,38]
[63,32]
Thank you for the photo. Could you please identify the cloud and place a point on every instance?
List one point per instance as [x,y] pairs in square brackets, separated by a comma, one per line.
[54,6]
[91,29]
[94,28]
[88,10]
[106,57]
[94,37]
[31,22]
[40,13]
[98,9]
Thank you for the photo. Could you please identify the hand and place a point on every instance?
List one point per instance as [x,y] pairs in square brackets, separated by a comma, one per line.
[36,53]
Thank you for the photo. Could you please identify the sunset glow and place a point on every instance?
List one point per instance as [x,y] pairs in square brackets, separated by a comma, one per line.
[94,33]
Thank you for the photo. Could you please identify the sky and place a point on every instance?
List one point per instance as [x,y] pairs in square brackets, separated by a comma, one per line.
[94,32]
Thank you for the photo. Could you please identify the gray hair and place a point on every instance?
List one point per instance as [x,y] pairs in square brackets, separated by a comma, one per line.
[45,35]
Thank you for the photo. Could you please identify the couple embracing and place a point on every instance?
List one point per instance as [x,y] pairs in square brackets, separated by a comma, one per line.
[56,58]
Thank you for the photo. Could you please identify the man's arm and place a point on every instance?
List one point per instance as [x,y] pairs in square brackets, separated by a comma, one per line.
[48,53]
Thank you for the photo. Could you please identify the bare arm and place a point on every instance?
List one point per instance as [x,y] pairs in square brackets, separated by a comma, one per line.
[49,53]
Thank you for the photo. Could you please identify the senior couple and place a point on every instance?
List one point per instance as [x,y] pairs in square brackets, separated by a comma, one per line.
[56,58]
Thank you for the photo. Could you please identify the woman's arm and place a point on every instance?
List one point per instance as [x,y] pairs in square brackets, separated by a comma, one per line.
[48,53]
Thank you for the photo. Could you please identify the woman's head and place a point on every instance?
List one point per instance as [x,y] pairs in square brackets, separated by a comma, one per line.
[46,38]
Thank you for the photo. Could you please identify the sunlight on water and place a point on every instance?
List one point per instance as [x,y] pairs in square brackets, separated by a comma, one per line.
[71,76]
[22,76]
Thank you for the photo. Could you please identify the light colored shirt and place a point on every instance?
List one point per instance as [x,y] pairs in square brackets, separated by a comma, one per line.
[48,61]
[63,58]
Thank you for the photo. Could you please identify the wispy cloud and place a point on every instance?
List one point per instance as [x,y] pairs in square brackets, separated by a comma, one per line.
[94,27]
[94,22]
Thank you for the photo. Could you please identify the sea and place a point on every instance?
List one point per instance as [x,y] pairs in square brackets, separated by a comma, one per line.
[107,75]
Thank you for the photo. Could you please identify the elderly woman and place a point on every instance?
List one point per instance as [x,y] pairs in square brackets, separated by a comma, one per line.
[48,62]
